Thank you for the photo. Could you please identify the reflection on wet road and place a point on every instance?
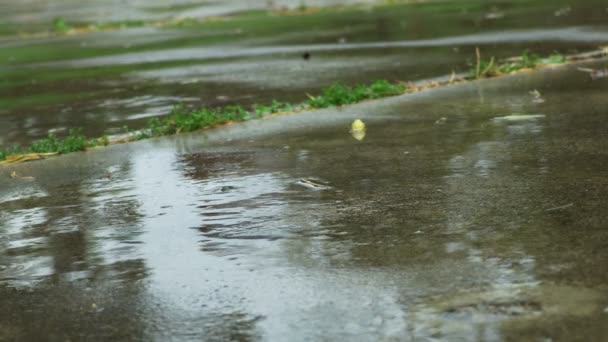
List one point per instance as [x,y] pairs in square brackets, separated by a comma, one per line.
[470,213]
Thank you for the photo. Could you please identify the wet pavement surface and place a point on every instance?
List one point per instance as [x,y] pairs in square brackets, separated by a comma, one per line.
[103,81]
[27,12]
[474,212]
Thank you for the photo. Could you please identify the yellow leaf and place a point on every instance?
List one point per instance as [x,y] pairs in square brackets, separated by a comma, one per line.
[357,130]
[357,125]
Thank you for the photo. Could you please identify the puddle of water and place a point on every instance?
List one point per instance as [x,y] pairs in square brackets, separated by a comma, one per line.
[469,230]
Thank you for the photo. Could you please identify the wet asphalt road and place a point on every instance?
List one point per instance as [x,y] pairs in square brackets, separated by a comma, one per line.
[452,220]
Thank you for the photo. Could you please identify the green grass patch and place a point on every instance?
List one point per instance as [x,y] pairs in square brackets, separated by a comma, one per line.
[274,107]
[7,151]
[60,25]
[74,142]
[182,120]
[339,94]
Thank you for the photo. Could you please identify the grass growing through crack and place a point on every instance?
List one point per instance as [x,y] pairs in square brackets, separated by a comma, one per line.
[274,107]
[339,94]
[7,151]
[182,120]
[491,68]
[74,142]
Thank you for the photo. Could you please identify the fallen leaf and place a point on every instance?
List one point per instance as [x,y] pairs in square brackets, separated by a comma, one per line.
[357,125]
[357,129]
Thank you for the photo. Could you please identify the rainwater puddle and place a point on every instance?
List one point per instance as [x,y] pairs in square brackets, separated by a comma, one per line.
[477,229]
